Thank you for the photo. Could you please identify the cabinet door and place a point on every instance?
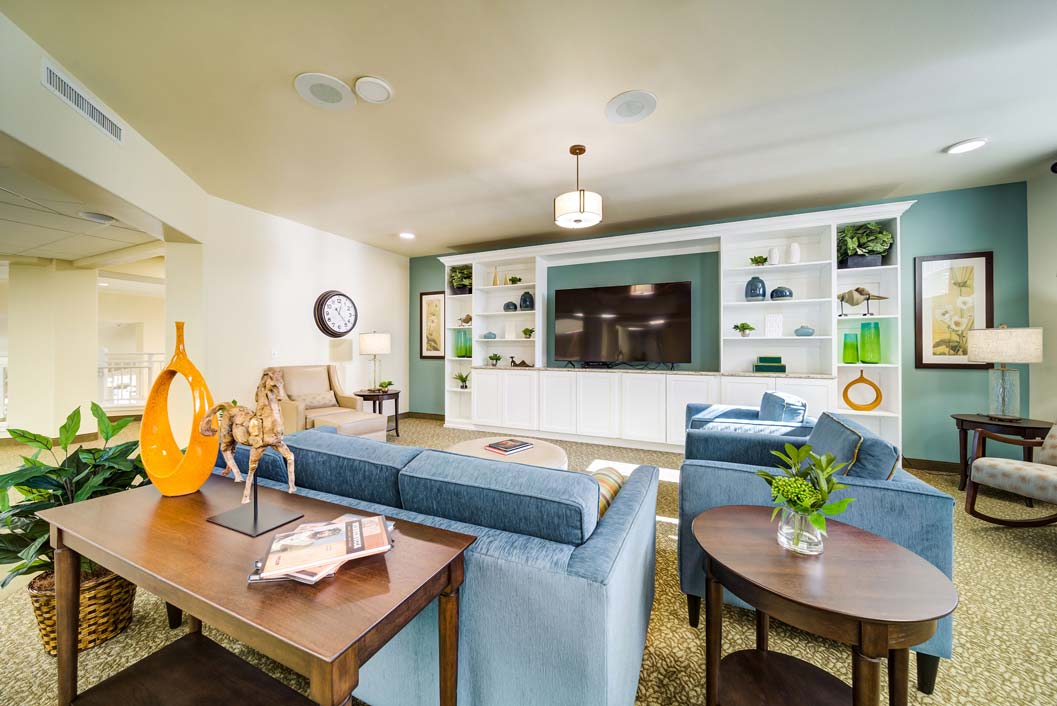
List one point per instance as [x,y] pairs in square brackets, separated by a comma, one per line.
[745,391]
[558,401]
[820,395]
[520,399]
[487,393]
[682,390]
[598,404]
[643,414]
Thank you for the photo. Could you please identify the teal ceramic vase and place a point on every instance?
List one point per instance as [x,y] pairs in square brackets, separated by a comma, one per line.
[755,290]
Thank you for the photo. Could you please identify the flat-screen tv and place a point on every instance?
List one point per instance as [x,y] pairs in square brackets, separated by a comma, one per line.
[635,323]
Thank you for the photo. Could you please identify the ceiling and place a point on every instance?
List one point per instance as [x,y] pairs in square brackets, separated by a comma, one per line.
[762,106]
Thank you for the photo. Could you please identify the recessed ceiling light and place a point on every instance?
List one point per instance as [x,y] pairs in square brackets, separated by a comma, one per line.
[407,236]
[373,89]
[973,143]
[325,91]
[96,217]
[631,106]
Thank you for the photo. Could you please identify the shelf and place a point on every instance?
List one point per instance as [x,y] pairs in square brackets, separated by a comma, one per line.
[859,318]
[777,338]
[505,340]
[783,302]
[871,413]
[880,268]
[457,389]
[464,360]
[504,313]
[459,296]
[867,366]
[787,267]
[459,328]
[507,287]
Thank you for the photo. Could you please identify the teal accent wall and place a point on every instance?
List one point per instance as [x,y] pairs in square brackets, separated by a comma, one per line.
[947,222]
[425,274]
[700,269]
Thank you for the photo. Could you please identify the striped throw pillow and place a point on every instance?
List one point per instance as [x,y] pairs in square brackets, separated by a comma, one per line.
[609,483]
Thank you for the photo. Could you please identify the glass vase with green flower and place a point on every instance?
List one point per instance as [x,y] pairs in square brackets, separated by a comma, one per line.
[802,494]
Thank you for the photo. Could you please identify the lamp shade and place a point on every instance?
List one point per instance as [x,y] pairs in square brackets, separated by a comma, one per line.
[578,209]
[374,343]
[1005,345]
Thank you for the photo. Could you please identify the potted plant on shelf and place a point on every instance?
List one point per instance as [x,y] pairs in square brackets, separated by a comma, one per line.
[44,481]
[495,358]
[527,332]
[463,378]
[384,385]
[514,279]
[743,328]
[758,260]
[801,494]
[863,245]
[460,277]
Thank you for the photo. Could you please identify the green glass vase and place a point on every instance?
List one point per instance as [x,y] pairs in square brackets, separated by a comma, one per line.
[851,348]
[870,343]
[463,344]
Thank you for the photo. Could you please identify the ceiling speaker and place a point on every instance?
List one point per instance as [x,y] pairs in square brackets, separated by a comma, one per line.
[325,91]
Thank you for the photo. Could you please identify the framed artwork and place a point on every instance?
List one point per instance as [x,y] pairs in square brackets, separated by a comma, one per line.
[952,294]
[431,328]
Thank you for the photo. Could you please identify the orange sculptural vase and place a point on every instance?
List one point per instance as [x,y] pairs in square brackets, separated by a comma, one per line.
[171,471]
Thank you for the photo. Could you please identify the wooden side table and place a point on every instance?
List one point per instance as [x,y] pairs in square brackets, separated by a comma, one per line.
[377,400]
[862,590]
[1024,428]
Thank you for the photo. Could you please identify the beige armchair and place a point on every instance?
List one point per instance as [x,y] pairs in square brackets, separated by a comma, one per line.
[315,398]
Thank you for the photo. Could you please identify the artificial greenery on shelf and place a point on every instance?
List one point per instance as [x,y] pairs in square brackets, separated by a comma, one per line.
[805,485]
[744,327]
[863,239]
[44,481]
[463,378]
[758,260]
[460,277]
[514,279]
[528,332]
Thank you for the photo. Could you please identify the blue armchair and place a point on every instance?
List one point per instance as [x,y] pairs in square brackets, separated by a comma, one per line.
[889,502]
[711,427]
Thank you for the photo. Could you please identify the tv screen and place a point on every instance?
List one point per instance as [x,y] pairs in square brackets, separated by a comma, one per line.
[636,323]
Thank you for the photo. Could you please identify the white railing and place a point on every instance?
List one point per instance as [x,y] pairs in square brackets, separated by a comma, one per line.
[125,379]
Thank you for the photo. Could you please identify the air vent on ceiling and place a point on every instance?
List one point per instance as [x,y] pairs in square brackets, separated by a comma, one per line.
[63,85]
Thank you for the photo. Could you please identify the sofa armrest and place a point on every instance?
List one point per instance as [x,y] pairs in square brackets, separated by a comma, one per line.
[737,447]
[720,411]
[349,401]
[293,413]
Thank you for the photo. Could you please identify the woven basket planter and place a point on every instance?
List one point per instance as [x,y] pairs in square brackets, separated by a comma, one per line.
[106,610]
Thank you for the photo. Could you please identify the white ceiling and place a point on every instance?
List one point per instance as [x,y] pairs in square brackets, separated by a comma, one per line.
[762,105]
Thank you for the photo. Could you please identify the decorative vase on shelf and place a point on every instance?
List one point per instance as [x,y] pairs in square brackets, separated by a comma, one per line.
[870,342]
[797,534]
[528,302]
[755,290]
[774,256]
[495,276]
[489,335]
[804,330]
[792,253]
[851,348]
[781,293]
[510,306]
[463,344]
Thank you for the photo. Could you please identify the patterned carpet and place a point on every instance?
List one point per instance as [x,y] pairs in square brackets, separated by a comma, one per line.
[1004,640]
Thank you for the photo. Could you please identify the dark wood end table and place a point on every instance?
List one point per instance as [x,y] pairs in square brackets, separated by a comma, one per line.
[326,632]
[862,590]
[377,400]
[1024,428]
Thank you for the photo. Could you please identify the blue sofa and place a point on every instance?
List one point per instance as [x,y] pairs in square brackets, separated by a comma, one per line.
[779,414]
[555,602]
[889,502]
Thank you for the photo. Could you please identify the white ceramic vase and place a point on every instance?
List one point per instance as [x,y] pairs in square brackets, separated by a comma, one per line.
[792,255]
[774,257]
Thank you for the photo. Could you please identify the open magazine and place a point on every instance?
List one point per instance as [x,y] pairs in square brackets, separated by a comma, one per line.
[315,550]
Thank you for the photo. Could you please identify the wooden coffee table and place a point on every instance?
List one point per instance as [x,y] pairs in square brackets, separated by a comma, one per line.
[325,632]
[542,453]
[862,590]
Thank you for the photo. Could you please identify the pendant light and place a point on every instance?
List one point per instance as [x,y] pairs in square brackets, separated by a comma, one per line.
[578,209]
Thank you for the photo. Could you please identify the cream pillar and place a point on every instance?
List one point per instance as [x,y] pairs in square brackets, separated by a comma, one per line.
[1042,287]
[53,329]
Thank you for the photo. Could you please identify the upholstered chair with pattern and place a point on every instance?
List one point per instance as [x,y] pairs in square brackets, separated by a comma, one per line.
[1036,479]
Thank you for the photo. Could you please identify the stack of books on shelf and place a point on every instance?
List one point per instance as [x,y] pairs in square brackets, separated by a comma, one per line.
[315,550]
[768,364]
[507,447]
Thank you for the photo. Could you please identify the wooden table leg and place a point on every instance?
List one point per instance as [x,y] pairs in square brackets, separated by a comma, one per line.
[67,615]
[763,624]
[865,679]
[963,456]
[713,637]
[448,616]
[898,676]
[332,684]
[396,414]
[193,624]
[1029,458]
[174,615]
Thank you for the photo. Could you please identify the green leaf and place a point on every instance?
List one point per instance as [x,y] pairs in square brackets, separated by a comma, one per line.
[774,513]
[30,439]
[103,422]
[836,508]
[90,487]
[68,430]
[818,520]
[19,477]
[120,424]
[33,550]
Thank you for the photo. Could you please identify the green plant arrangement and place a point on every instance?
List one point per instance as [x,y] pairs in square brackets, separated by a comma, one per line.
[514,279]
[463,378]
[758,260]
[863,239]
[460,277]
[384,385]
[802,494]
[495,358]
[527,332]
[744,327]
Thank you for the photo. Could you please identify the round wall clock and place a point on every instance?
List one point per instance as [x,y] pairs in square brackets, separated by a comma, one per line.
[335,313]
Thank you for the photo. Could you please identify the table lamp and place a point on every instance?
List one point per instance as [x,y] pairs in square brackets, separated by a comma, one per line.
[1000,346]
[374,344]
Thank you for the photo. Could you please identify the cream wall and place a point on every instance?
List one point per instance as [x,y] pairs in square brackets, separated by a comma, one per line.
[1042,287]
[133,308]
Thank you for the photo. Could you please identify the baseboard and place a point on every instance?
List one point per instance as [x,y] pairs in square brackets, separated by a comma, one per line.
[924,464]
[421,415]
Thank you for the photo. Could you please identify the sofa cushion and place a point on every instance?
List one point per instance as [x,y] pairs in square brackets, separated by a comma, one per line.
[867,455]
[316,400]
[351,422]
[561,506]
[1047,453]
[610,481]
[782,407]
[300,380]
[1032,480]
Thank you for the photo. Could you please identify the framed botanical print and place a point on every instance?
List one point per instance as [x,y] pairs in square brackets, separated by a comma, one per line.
[431,327]
[952,294]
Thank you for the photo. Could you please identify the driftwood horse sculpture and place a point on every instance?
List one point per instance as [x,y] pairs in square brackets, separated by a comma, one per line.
[257,429]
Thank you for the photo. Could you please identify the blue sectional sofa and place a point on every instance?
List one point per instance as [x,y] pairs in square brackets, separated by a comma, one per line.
[890,502]
[555,602]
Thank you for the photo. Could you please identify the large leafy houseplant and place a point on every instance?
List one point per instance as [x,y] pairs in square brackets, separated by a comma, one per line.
[45,481]
[863,239]
[460,277]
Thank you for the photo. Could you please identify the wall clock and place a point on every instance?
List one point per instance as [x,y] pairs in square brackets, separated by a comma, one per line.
[335,313]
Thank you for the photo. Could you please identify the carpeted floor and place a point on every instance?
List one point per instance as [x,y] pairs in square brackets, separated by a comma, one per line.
[1004,641]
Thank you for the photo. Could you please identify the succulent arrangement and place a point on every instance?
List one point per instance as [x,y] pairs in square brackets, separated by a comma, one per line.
[495,358]
[744,327]
[527,332]
[758,260]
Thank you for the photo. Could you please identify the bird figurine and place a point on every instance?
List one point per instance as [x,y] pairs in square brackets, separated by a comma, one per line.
[466,320]
[855,297]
